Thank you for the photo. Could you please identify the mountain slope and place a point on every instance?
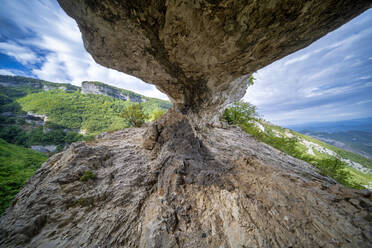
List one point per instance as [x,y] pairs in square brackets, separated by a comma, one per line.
[354,141]
[346,167]
[65,107]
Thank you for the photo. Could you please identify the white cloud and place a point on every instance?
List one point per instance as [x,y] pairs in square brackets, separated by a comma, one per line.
[298,88]
[297,59]
[66,59]
[22,54]
[364,77]
[6,72]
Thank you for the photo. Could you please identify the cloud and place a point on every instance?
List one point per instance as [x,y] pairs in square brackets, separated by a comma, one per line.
[22,54]
[298,59]
[52,47]
[322,82]
[6,72]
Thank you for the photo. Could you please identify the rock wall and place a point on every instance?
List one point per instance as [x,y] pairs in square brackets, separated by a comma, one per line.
[180,188]
[106,90]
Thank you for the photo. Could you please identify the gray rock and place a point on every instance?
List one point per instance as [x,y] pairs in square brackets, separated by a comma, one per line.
[212,188]
[106,90]
[44,149]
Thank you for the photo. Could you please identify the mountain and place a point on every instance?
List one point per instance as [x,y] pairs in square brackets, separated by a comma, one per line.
[362,124]
[107,90]
[351,135]
[92,109]
[359,142]
[26,84]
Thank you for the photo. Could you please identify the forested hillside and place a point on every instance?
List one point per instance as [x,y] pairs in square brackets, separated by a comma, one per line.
[64,107]
[17,165]
[89,113]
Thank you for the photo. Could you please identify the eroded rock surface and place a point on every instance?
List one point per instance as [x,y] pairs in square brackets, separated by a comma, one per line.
[201,53]
[212,188]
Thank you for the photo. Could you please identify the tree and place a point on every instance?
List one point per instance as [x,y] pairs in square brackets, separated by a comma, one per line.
[157,113]
[240,113]
[134,115]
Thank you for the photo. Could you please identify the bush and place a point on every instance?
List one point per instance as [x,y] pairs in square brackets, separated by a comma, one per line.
[240,113]
[134,115]
[88,175]
[156,114]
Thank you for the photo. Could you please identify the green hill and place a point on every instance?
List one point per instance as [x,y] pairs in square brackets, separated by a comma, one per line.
[17,165]
[66,107]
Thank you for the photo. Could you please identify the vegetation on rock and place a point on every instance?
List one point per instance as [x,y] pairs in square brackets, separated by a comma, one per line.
[88,175]
[333,164]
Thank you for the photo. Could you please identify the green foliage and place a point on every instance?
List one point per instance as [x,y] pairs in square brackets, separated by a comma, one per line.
[88,175]
[92,113]
[251,80]
[239,113]
[134,115]
[17,165]
[16,135]
[156,114]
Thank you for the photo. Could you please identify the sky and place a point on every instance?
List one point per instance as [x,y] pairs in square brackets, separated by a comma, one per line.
[330,80]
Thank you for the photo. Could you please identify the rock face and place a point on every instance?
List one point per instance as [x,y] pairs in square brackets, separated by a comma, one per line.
[104,89]
[200,53]
[213,188]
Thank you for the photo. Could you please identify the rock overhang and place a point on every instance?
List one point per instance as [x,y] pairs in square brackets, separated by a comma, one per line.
[201,53]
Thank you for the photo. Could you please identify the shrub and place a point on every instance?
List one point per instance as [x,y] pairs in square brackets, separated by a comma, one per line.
[156,114]
[240,113]
[88,175]
[134,115]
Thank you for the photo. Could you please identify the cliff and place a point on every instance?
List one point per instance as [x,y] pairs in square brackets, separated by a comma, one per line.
[107,90]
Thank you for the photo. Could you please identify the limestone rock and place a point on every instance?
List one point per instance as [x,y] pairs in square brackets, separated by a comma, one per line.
[201,53]
[107,90]
[212,188]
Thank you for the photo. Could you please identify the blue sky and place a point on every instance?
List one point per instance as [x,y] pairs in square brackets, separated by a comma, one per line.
[330,80]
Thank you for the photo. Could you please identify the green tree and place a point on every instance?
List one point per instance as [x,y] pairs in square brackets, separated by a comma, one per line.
[240,113]
[157,113]
[134,115]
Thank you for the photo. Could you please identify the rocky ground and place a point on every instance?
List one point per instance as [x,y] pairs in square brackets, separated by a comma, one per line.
[168,185]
